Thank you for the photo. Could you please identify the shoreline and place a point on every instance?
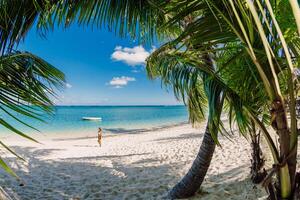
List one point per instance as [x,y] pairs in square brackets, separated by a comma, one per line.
[108,132]
[86,134]
[144,165]
[119,132]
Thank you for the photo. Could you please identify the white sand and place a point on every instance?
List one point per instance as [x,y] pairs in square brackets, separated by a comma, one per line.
[128,166]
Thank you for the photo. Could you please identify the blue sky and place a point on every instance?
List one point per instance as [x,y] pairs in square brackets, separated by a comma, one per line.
[101,68]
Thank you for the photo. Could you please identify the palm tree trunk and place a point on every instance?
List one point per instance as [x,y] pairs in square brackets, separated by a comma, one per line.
[279,123]
[192,181]
[257,162]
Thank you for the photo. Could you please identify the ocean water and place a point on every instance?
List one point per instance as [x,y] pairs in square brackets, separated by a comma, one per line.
[114,118]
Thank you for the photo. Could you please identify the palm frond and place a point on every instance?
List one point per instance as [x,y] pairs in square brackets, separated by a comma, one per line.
[138,19]
[27,87]
[167,64]
[27,84]
[16,18]
[141,19]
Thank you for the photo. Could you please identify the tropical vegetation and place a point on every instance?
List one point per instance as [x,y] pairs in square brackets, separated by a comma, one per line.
[27,82]
[261,47]
[235,57]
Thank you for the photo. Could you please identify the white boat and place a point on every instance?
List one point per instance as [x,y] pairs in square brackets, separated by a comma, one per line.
[92,118]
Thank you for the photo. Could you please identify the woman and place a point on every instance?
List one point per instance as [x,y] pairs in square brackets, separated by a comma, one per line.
[99,136]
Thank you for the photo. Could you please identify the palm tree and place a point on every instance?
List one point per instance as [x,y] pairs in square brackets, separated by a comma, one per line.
[195,88]
[259,52]
[278,65]
[274,56]
[27,82]
[187,74]
[160,64]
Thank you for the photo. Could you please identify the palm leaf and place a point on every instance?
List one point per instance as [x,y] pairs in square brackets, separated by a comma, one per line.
[27,86]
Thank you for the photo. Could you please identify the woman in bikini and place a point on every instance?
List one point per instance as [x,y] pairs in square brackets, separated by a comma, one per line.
[99,136]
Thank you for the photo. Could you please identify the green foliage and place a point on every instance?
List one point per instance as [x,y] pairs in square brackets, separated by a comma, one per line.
[140,19]
[198,85]
[258,65]
[27,82]
[27,85]
[171,66]
[16,18]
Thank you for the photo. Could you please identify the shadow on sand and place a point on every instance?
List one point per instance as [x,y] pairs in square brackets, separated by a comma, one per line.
[102,177]
[181,137]
[84,178]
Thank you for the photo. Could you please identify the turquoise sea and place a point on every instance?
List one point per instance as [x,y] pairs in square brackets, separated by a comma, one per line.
[114,118]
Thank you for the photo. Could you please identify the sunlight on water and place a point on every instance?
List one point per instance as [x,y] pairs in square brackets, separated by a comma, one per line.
[69,118]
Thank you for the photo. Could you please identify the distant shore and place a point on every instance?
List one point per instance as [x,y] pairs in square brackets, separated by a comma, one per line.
[142,163]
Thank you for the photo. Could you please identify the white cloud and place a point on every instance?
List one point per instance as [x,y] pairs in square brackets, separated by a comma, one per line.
[135,71]
[119,82]
[68,85]
[131,56]
[118,48]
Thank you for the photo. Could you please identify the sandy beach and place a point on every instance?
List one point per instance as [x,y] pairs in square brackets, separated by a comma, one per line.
[132,165]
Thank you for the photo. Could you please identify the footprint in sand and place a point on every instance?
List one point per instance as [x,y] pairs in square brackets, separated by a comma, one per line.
[118,173]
